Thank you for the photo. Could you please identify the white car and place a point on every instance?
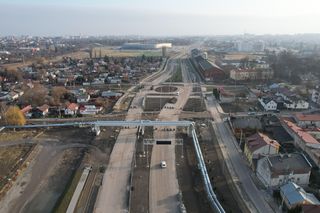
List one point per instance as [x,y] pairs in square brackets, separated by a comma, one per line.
[163,164]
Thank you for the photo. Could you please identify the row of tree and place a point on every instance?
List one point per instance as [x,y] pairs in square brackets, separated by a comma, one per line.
[289,66]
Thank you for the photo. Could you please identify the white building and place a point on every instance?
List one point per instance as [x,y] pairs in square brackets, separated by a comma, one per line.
[89,110]
[296,103]
[251,74]
[315,96]
[277,170]
[83,98]
[291,100]
[268,104]
[71,109]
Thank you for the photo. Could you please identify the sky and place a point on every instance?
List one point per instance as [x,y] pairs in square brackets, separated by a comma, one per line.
[158,17]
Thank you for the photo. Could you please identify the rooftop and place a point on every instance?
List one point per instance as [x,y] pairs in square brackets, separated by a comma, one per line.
[295,194]
[307,117]
[259,140]
[295,162]
[305,136]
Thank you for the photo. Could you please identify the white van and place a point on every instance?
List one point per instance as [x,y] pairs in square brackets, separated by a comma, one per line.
[163,164]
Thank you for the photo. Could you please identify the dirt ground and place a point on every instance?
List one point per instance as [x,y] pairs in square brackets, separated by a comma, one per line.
[140,178]
[163,89]
[195,105]
[11,158]
[155,103]
[216,170]
[9,136]
[61,151]
[189,178]
[240,106]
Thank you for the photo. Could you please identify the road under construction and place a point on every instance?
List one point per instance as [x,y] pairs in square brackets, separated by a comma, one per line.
[144,123]
[115,188]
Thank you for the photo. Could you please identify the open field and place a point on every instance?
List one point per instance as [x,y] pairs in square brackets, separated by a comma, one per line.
[76,55]
[51,176]
[195,105]
[140,176]
[189,178]
[107,51]
[220,179]
[239,56]
[11,157]
[8,136]
[240,106]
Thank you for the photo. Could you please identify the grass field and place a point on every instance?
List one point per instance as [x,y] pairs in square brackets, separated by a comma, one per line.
[76,55]
[239,56]
[10,159]
[14,136]
[107,51]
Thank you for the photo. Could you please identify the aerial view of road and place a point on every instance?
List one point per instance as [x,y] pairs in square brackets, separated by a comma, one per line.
[141,124]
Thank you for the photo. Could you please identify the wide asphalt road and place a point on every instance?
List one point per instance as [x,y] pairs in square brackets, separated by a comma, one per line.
[113,194]
[240,168]
[163,185]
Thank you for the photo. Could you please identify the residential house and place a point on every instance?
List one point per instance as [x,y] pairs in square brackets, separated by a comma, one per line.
[40,111]
[251,74]
[13,96]
[291,100]
[27,111]
[83,98]
[293,195]
[307,120]
[296,103]
[268,104]
[259,145]
[315,96]
[89,109]
[71,109]
[275,170]
[304,140]
[111,94]
[4,96]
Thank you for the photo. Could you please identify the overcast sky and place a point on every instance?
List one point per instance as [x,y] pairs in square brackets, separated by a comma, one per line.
[158,17]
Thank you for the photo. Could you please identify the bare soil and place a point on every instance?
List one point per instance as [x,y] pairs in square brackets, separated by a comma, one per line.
[166,89]
[140,178]
[221,183]
[45,181]
[189,178]
[239,106]
[11,158]
[195,105]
